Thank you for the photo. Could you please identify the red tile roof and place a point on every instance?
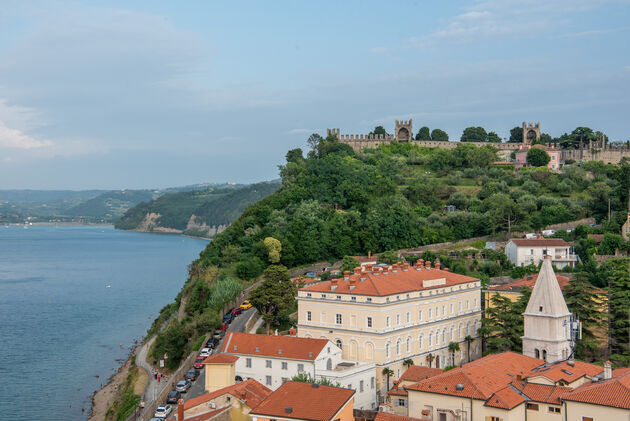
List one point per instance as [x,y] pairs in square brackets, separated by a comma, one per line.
[393,283]
[289,347]
[220,359]
[415,373]
[384,416]
[208,415]
[539,242]
[613,392]
[528,282]
[563,371]
[302,401]
[480,378]
[250,391]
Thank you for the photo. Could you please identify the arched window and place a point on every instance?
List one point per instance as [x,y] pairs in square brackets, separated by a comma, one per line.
[444,336]
[452,338]
[437,338]
[430,339]
[475,328]
[369,351]
[420,343]
[329,364]
[408,345]
[398,347]
[537,353]
[544,355]
[339,343]
[437,361]
[468,328]
[459,331]
[387,351]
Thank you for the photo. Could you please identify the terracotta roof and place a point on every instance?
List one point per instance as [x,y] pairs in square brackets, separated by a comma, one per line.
[518,392]
[220,359]
[384,416]
[506,398]
[393,283]
[289,347]
[480,378]
[208,415]
[528,282]
[539,242]
[561,370]
[415,373]
[303,401]
[544,392]
[249,391]
[614,392]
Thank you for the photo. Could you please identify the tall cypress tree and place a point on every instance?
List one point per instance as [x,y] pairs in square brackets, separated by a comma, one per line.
[502,324]
[619,306]
[585,302]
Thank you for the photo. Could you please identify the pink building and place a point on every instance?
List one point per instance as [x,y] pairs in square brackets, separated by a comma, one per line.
[521,156]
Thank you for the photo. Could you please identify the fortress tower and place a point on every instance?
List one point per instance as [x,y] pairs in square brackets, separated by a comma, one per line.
[531,132]
[404,130]
[547,319]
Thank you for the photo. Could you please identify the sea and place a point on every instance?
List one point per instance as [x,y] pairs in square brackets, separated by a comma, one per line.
[72,301]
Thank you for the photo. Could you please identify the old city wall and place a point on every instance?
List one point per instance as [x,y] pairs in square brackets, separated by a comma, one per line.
[359,142]
[609,156]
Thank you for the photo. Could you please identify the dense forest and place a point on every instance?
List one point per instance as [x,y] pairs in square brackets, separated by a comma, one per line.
[212,207]
[335,202]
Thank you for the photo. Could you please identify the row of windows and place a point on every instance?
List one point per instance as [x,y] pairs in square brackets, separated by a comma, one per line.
[268,364]
[370,323]
[551,409]
[387,299]
[361,389]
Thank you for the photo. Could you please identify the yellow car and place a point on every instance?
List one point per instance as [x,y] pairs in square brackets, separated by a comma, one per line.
[246,305]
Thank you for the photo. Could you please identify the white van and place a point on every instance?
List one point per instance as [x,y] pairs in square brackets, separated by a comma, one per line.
[547,233]
[531,236]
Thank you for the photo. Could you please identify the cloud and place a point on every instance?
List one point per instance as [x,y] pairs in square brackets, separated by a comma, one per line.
[498,19]
[593,32]
[13,138]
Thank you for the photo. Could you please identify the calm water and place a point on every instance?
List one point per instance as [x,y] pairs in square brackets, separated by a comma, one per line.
[60,326]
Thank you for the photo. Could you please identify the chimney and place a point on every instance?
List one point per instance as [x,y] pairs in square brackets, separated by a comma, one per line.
[357,270]
[180,410]
[346,275]
[437,264]
[368,268]
[607,371]
[385,270]
[406,267]
[428,264]
[353,284]
[369,254]
[445,269]
[395,268]
[420,263]
[333,284]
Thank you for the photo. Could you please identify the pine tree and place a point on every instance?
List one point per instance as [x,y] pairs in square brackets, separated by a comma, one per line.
[502,325]
[584,302]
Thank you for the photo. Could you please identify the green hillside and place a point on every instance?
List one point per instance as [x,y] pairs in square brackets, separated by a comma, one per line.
[212,207]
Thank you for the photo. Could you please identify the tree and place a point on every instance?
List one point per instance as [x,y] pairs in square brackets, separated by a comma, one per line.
[388,372]
[584,301]
[430,357]
[537,157]
[474,134]
[274,247]
[503,212]
[468,340]
[275,295]
[516,135]
[423,134]
[313,142]
[349,263]
[305,377]
[439,135]
[379,130]
[502,326]
[494,138]
[295,155]
[619,305]
[408,363]
[389,257]
[453,347]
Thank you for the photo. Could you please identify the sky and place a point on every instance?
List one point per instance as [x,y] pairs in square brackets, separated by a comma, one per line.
[150,94]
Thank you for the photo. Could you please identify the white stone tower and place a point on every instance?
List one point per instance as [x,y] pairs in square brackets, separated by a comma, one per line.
[547,319]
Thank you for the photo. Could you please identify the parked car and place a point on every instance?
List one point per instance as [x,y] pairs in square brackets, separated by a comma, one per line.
[162,411]
[212,343]
[173,396]
[223,328]
[218,334]
[205,352]
[191,375]
[531,236]
[228,317]
[183,386]
[236,311]
[199,363]
[547,233]
[246,305]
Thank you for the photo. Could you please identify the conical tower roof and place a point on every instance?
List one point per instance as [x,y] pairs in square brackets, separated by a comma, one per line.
[547,298]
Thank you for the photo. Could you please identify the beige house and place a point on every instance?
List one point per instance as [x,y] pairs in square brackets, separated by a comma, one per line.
[389,314]
[397,397]
[526,251]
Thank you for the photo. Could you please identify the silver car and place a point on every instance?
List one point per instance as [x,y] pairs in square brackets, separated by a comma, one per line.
[162,411]
[183,386]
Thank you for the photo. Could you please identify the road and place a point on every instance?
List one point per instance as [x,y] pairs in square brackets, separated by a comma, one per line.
[238,325]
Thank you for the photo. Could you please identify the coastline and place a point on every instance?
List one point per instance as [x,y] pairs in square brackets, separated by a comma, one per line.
[103,398]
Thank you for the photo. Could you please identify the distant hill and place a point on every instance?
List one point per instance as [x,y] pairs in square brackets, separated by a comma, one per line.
[199,212]
[95,206]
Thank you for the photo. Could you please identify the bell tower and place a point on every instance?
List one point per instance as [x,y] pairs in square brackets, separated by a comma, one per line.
[404,130]
[531,132]
[547,319]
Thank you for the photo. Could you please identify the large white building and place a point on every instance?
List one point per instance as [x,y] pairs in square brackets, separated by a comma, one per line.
[525,251]
[273,360]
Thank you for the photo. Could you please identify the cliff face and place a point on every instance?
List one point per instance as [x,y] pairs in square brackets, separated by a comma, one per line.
[200,213]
